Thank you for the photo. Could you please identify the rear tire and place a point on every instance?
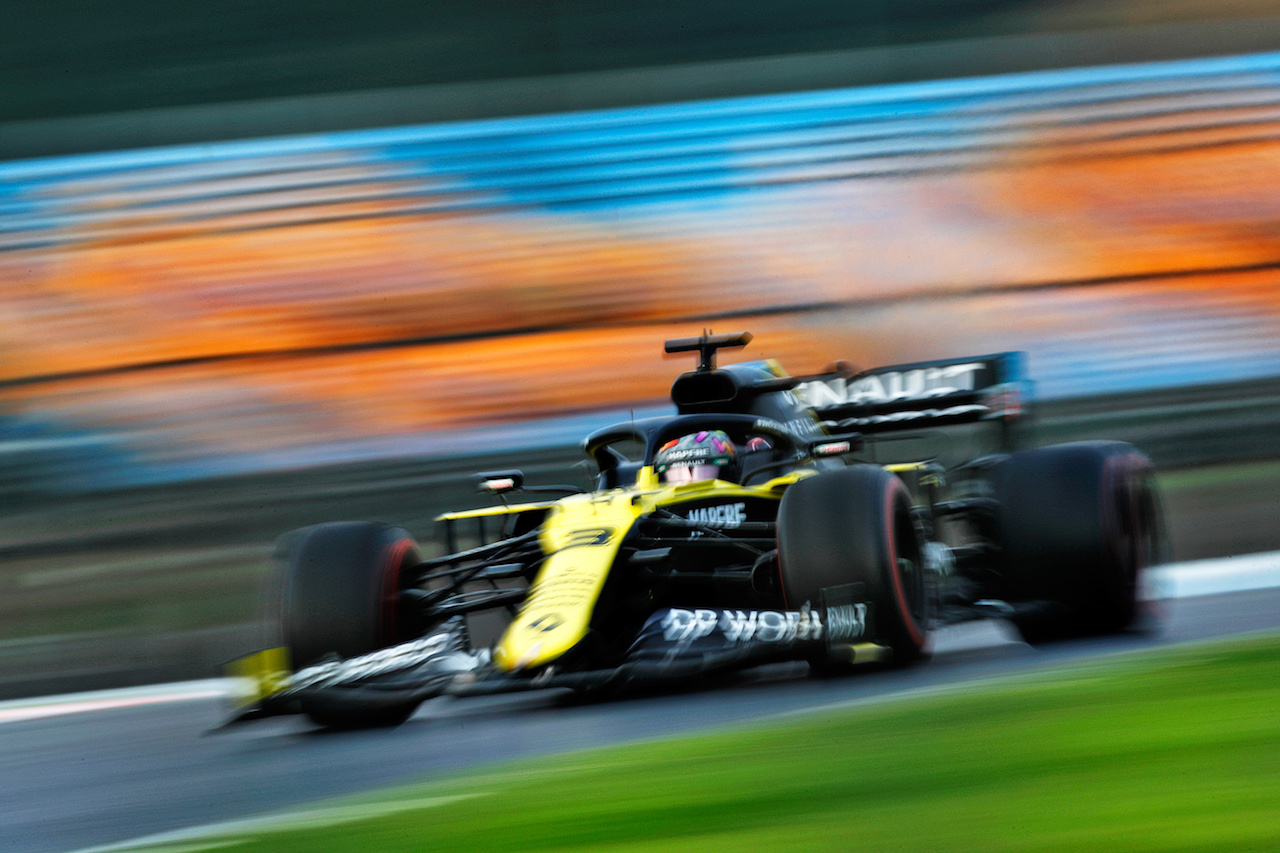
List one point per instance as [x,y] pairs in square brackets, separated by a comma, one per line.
[855,526]
[1077,526]
[340,595]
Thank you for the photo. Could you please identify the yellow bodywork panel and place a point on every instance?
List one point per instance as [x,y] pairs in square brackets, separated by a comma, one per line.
[492,511]
[259,675]
[582,535]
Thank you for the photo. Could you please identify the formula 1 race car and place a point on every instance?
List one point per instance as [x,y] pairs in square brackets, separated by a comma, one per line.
[772,517]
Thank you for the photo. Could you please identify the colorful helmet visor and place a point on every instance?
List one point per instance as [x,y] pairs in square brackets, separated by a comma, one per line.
[707,448]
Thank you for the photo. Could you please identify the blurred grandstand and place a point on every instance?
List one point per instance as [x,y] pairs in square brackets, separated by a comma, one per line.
[269,303]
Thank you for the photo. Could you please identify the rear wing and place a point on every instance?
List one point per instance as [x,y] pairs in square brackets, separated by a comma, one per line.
[922,394]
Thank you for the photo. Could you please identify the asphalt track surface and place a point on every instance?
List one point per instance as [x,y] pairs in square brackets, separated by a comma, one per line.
[94,770]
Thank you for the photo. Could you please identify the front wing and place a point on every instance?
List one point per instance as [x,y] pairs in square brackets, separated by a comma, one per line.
[674,646]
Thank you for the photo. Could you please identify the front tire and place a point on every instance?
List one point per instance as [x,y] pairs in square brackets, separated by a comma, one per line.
[854,526]
[340,595]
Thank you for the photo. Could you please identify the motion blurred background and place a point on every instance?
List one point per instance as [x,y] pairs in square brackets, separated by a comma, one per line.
[264,265]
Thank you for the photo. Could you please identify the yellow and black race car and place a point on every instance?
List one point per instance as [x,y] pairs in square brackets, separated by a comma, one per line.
[835,519]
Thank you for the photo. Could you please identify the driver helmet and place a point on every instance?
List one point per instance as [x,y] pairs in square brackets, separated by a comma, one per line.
[704,455]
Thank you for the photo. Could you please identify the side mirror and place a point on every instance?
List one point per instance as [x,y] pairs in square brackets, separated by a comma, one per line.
[501,482]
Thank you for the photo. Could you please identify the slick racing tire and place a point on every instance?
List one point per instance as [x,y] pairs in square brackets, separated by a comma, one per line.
[1076,526]
[339,592]
[855,526]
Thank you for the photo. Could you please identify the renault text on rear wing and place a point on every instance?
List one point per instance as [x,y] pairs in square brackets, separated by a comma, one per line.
[927,393]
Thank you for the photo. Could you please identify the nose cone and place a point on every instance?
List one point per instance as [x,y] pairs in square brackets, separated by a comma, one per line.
[535,642]
[581,538]
[503,659]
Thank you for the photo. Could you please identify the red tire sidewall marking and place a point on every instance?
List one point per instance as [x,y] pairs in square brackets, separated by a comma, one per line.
[1120,521]
[393,562]
[895,576]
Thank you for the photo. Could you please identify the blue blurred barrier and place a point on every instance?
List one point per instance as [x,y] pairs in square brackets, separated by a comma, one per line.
[620,156]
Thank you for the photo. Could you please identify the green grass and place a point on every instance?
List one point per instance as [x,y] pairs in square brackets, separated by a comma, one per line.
[1231,475]
[1173,751]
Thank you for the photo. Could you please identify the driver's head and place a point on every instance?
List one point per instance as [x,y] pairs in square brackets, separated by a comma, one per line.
[704,455]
